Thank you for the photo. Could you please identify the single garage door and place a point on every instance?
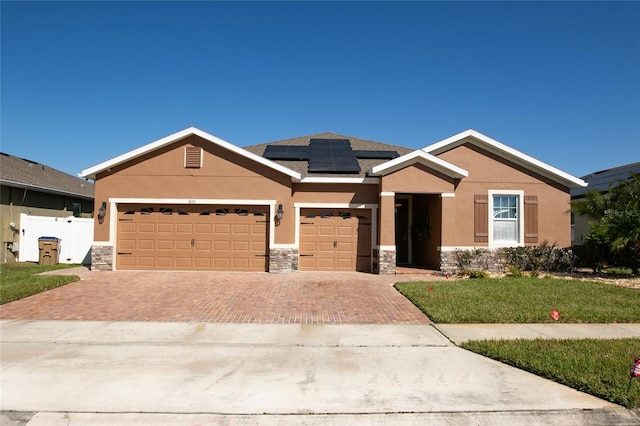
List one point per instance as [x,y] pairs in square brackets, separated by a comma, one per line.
[335,240]
[192,237]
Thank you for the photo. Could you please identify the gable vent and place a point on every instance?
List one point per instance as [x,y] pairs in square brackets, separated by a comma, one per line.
[192,157]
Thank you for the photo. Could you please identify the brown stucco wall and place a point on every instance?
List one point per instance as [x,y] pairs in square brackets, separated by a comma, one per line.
[487,171]
[417,179]
[223,175]
[335,193]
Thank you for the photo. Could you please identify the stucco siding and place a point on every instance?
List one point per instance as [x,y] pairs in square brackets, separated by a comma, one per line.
[488,172]
[417,179]
[224,175]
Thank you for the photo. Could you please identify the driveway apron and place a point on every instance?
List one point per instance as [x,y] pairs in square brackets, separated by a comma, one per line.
[234,297]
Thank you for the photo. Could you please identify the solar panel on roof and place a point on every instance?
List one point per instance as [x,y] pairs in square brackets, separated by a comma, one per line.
[376,155]
[286,152]
[332,155]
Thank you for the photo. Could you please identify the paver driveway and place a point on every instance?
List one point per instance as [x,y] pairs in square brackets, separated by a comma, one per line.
[301,297]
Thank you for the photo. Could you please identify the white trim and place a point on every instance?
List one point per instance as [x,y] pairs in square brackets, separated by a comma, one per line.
[113,223]
[102,243]
[249,202]
[387,248]
[91,172]
[520,194]
[421,157]
[505,151]
[334,206]
[364,181]
[448,195]
[387,194]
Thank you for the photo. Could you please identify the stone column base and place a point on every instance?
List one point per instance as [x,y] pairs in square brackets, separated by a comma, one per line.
[283,261]
[101,258]
[386,262]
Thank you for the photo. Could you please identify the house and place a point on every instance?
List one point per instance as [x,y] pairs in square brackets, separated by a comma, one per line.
[35,189]
[598,181]
[324,202]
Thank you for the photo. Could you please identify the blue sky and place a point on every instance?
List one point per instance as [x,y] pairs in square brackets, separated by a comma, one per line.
[83,82]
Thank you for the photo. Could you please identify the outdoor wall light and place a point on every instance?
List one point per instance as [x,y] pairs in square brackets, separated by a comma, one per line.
[280,212]
[102,211]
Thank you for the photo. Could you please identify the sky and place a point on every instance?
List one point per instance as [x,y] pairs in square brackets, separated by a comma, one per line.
[83,82]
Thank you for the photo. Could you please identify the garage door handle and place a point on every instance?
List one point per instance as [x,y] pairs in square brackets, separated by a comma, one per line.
[120,252]
[193,242]
[335,244]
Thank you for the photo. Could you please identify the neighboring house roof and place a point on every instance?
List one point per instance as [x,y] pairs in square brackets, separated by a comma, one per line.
[506,152]
[22,173]
[601,180]
[91,172]
[302,166]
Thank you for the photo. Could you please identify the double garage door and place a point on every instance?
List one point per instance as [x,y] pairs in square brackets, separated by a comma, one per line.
[192,237]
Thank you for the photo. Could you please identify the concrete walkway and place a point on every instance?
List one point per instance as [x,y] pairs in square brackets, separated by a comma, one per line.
[460,333]
[124,373]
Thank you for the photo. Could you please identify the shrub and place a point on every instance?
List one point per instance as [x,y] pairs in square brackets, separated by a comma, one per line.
[514,271]
[543,258]
[478,274]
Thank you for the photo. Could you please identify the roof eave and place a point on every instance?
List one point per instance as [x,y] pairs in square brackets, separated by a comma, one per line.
[44,189]
[91,172]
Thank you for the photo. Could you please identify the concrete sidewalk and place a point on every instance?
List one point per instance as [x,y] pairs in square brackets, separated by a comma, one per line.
[98,373]
[460,333]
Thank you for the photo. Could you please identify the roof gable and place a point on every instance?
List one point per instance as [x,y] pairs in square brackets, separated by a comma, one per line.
[91,172]
[22,173]
[420,157]
[504,151]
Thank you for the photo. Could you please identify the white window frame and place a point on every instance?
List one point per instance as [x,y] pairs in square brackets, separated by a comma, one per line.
[520,217]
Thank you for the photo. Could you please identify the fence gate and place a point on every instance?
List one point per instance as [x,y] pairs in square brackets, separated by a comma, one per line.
[75,234]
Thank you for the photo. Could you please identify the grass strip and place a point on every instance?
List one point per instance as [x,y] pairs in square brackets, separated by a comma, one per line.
[523,300]
[594,366]
[18,280]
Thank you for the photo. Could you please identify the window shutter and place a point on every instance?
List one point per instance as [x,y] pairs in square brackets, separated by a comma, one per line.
[193,157]
[481,218]
[530,218]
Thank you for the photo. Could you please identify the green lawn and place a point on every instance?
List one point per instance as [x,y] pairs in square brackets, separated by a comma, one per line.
[18,280]
[597,367]
[523,300]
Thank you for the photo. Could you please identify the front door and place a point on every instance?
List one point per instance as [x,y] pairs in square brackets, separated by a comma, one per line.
[402,231]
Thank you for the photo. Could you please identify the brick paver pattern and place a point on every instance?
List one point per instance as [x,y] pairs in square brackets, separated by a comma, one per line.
[300,297]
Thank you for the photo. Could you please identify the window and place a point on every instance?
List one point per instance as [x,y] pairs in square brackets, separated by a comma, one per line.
[506,218]
[77,209]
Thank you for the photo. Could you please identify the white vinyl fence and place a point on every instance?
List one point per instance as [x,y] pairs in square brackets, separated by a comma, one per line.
[75,234]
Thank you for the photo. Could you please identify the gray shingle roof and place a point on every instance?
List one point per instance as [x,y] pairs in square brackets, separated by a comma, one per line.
[22,173]
[600,181]
[356,144]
